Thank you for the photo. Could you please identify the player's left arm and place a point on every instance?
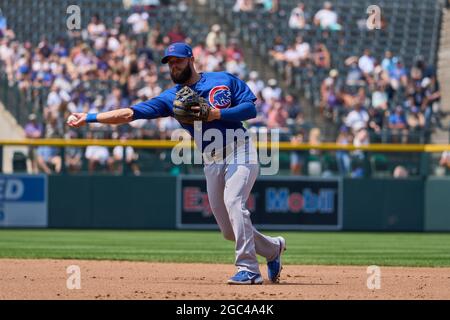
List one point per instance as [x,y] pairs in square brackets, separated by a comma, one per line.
[242,101]
[243,111]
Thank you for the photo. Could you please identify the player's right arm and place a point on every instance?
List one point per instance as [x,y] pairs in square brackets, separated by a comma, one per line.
[119,116]
[151,109]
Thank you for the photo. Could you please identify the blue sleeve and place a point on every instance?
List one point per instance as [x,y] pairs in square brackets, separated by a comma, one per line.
[151,109]
[241,112]
[242,101]
[240,91]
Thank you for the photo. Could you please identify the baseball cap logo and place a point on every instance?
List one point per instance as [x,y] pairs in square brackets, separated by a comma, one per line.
[180,50]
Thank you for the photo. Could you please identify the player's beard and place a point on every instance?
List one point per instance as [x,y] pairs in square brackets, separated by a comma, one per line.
[183,76]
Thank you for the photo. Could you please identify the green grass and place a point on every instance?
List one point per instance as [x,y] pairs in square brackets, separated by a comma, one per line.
[325,248]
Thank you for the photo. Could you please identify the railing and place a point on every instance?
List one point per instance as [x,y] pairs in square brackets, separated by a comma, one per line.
[326,159]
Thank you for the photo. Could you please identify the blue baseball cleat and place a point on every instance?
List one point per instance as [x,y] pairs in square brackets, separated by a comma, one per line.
[246,277]
[274,267]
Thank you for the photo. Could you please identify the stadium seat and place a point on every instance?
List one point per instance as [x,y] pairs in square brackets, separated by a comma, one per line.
[19,162]
[379,165]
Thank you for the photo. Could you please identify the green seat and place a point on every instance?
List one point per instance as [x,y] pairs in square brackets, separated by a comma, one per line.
[379,164]
[313,157]
[329,163]
[285,160]
[149,161]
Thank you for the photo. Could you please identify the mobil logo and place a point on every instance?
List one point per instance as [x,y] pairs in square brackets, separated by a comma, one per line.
[307,201]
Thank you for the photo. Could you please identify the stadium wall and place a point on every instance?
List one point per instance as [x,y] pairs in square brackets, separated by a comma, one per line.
[437,204]
[112,202]
[149,202]
[384,204]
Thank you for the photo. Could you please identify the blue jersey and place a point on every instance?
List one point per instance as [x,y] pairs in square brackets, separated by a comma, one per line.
[222,90]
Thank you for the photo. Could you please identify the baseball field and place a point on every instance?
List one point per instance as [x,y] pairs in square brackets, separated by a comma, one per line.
[196,264]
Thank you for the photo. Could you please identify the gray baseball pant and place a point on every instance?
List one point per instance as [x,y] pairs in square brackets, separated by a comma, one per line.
[229,183]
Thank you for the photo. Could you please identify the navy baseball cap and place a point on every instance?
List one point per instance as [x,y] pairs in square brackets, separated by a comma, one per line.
[177,49]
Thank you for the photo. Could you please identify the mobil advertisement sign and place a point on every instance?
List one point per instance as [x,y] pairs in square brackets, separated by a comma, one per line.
[283,203]
[23,201]
[295,203]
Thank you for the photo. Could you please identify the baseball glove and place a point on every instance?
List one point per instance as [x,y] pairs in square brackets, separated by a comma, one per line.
[185,99]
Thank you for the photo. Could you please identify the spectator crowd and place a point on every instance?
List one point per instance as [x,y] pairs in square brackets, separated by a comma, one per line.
[102,68]
[383,96]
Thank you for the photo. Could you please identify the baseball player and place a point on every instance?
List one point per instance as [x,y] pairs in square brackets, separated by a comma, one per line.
[222,101]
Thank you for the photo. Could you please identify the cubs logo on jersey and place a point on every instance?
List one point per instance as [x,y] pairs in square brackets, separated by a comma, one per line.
[220,97]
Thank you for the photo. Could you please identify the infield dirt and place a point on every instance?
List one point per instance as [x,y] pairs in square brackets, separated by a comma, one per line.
[47,279]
